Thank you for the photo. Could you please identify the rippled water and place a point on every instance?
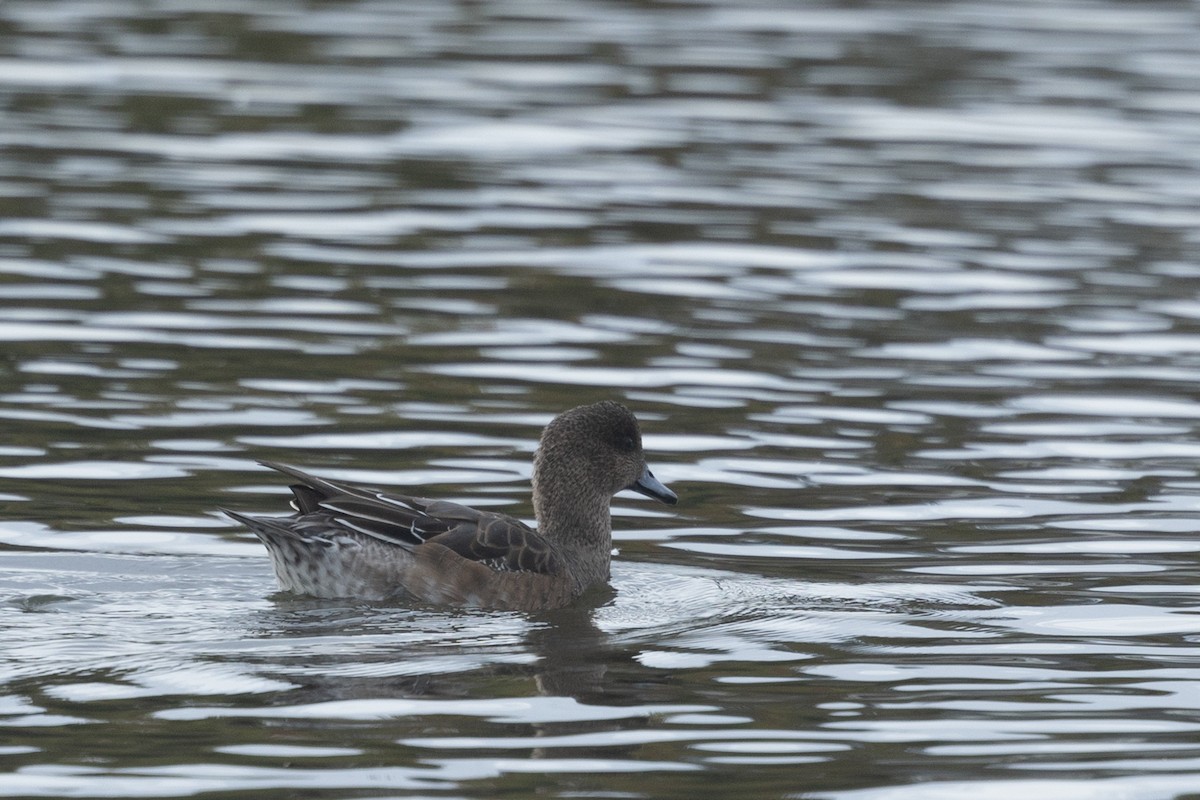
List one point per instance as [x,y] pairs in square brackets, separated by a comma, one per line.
[905,295]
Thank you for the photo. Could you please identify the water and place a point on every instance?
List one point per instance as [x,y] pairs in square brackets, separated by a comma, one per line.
[905,295]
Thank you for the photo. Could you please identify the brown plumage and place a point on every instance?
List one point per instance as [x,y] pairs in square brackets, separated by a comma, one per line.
[351,541]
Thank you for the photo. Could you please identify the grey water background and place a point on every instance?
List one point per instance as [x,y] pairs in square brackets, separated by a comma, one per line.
[904,293]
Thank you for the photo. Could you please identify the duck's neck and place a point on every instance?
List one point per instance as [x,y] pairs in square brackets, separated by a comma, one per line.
[580,526]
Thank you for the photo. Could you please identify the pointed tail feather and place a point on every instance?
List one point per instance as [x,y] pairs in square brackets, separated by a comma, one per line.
[262,526]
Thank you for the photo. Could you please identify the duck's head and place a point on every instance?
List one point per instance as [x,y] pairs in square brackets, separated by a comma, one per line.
[597,447]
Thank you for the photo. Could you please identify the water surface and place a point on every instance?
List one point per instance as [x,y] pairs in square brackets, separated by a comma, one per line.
[904,294]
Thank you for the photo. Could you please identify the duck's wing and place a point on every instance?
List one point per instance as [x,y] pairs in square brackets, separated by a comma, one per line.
[495,540]
[393,518]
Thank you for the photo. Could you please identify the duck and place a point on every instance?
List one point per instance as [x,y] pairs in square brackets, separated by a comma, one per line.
[348,541]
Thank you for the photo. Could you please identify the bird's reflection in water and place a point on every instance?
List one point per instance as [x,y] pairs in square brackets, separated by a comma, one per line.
[573,653]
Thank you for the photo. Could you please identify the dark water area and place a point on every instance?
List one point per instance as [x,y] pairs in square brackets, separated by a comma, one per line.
[904,294]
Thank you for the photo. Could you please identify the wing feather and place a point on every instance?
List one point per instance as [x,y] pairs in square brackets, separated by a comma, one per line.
[496,541]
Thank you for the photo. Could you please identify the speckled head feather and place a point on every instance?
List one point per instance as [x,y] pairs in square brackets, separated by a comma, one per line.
[585,456]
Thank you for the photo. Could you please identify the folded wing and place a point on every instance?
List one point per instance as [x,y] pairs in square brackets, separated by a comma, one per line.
[499,542]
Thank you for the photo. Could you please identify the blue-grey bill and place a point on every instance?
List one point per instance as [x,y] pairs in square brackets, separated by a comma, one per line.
[653,487]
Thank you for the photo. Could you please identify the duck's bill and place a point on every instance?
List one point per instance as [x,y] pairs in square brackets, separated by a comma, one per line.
[653,487]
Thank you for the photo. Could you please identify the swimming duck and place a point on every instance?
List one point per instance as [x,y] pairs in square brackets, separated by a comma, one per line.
[352,541]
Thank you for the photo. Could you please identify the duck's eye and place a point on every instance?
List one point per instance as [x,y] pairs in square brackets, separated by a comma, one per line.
[629,443]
